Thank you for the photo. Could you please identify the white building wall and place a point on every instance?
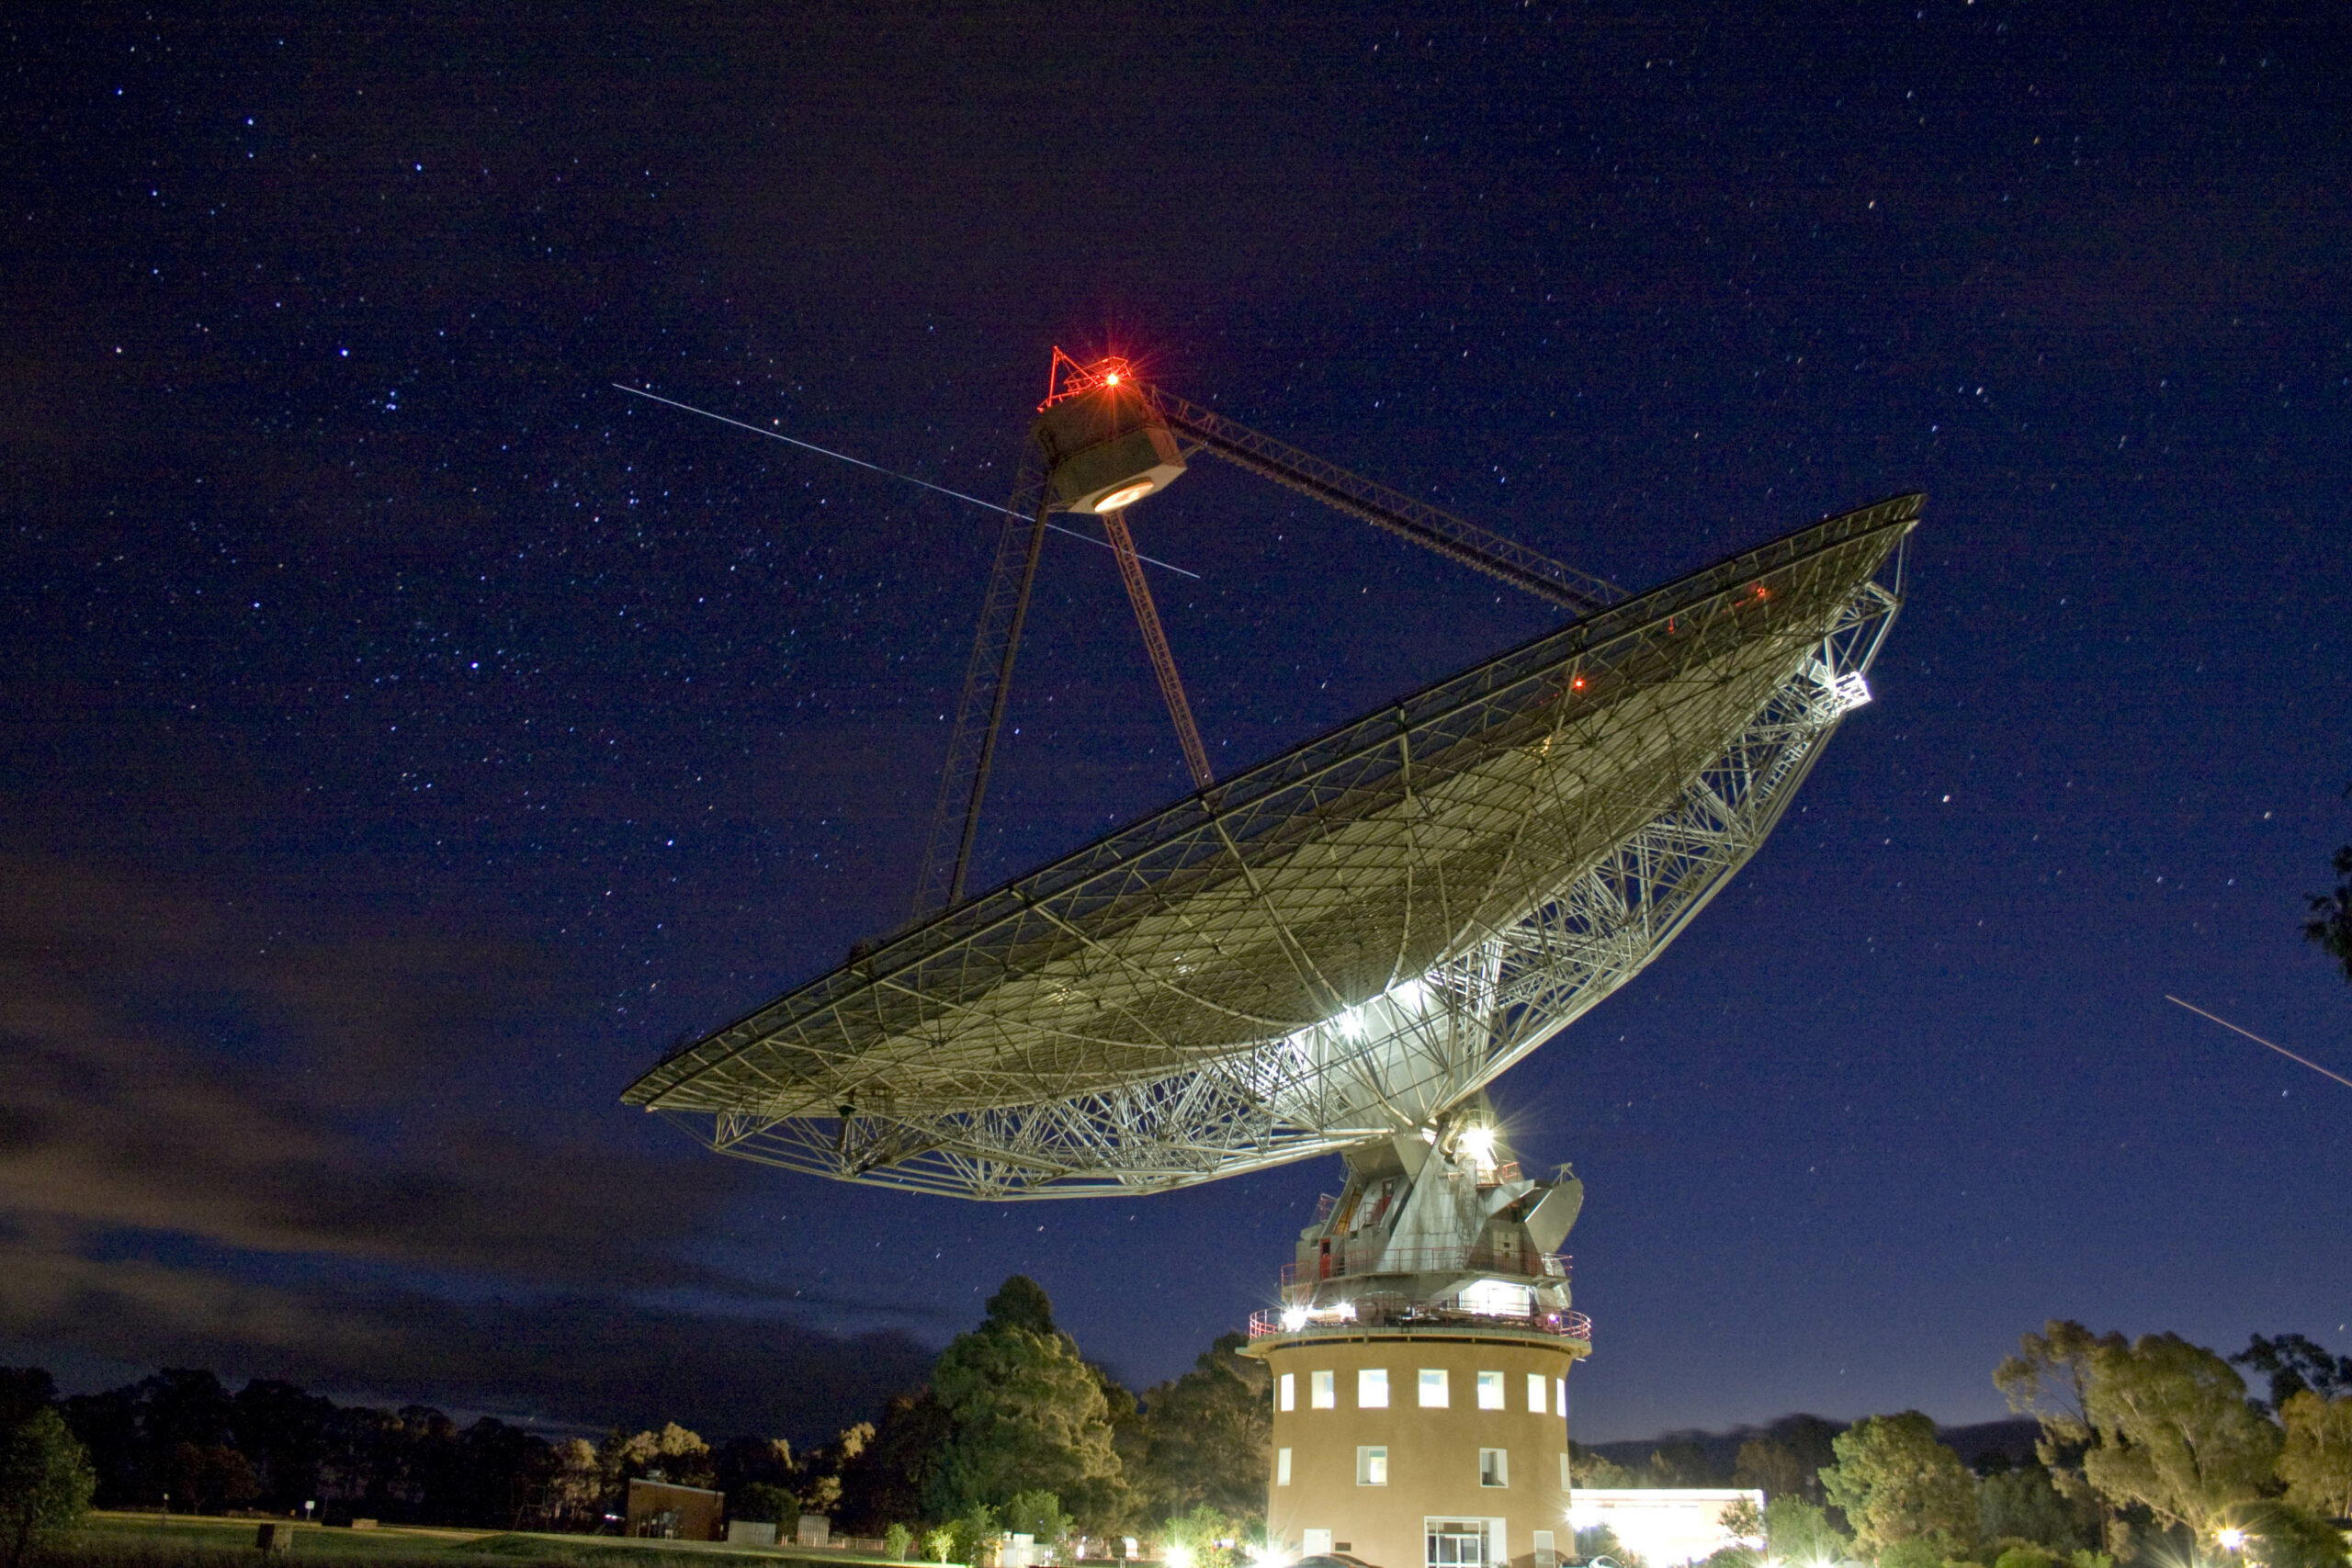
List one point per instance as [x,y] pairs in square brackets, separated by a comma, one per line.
[1664,1526]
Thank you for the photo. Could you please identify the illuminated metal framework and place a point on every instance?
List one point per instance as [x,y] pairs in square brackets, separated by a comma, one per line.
[988,680]
[1340,943]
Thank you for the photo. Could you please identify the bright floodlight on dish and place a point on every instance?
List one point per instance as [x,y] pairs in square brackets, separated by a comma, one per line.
[1125,495]
[1343,942]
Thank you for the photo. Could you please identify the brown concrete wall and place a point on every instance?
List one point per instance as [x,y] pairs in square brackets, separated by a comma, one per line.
[700,1511]
[1433,1461]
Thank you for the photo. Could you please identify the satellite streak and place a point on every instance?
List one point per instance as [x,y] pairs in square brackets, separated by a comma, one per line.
[893,473]
[2258,1040]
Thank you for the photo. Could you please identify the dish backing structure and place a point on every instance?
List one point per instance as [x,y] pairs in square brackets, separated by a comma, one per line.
[1347,942]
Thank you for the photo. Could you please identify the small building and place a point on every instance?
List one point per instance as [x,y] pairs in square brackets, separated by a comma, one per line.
[664,1510]
[1665,1526]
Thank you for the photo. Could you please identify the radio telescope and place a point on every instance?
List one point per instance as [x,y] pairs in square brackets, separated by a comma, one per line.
[1343,945]
[1335,951]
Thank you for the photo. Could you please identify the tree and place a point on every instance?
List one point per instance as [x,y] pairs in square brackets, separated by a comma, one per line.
[24,1390]
[1681,1462]
[975,1529]
[283,1432]
[1773,1466]
[45,1482]
[1799,1532]
[2027,1554]
[1589,1468]
[762,1502]
[1021,1303]
[1788,1458]
[1896,1483]
[672,1454]
[1039,1515]
[889,1477]
[2023,1505]
[2293,1363]
[753,1461]
[211,1478]
[576,1484]
[2331,922]
[2280,1535]
[2175,1433]
[1207,1436]
[2316,1461]
[1207,1537]
[1026,1413]
[1743,1519]
[2048,1378]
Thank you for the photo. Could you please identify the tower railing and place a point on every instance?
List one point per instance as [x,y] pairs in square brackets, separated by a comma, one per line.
[1340,1265]
[1374,1313]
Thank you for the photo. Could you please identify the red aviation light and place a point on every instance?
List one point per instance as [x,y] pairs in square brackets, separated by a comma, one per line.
[1069,379]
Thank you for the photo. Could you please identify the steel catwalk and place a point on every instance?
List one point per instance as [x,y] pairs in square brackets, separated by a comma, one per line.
[1339,943]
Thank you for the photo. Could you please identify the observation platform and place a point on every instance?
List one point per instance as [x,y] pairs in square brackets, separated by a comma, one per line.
[1374,1316]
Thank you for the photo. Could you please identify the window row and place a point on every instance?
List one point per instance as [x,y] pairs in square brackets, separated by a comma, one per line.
[1371,1466]
[1431,1388]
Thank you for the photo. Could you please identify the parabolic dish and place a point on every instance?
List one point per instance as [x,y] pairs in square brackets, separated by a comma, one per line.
[1339,943]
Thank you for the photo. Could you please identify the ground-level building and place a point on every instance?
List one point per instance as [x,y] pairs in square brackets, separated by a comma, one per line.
[664,1510]
[1665,1525]
[1423,1447]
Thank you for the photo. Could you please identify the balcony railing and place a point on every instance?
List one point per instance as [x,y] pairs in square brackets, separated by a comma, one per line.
[1430,1260]
[1374,1313]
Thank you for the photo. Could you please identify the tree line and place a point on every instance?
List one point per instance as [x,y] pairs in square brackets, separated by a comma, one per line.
[2149,1451]
[1014,1431]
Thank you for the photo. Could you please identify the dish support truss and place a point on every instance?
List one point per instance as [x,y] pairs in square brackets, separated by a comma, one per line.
[1399,1059]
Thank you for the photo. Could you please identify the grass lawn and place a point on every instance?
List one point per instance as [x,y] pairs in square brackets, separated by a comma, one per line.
[142,1541]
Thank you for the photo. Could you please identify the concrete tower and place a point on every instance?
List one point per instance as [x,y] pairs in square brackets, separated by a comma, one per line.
[1421,1359]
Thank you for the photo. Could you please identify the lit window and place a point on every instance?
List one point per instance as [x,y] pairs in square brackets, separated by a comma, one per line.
[1433,1388]
[1490,1390]
[1290,1391]
[1535,1393]
[1568,1481]
[1545,1554]
[1560,1395]
[1371,1467]
[1318,1391]
[1281,1467]
[1494,1467]
[1372,1389]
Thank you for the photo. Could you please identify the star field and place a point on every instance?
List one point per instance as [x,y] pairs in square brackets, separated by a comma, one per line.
[408,735]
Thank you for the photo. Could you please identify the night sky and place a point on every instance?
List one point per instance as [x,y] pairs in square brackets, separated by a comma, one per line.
[405,737]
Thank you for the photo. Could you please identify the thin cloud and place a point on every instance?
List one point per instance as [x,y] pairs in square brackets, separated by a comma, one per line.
[218,1150]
